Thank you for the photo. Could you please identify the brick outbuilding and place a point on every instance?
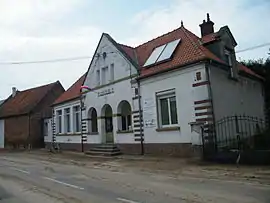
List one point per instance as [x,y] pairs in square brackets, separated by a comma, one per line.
[22,114]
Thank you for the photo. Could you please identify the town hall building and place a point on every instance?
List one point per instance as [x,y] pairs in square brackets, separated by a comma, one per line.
[145,99]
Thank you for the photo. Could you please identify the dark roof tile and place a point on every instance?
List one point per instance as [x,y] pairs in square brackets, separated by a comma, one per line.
[24,101]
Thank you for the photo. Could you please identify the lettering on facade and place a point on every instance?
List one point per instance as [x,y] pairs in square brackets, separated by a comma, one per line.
[106,92]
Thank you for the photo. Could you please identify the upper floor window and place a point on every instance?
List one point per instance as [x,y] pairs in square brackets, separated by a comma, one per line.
[98,77]
[104,75]
[228,57]
[112,72]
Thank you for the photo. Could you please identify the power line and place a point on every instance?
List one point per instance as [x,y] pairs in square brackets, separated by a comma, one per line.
[46,61]
[254,47]
[87,57]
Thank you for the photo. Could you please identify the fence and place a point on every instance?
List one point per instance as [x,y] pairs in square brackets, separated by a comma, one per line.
[232,135]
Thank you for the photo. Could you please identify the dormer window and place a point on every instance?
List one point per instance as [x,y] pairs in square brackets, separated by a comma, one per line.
[228,57]
[229,61]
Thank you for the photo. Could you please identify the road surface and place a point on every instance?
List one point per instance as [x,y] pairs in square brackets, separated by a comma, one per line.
[26,179]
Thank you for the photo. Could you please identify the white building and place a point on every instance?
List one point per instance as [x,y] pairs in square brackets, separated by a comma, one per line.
[169,82]
[65,127]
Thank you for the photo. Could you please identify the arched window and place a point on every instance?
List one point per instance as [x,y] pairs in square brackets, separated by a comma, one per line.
[93,125]
[124,116]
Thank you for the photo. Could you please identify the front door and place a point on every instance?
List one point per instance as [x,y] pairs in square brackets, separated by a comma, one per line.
[108,124]
[109,129]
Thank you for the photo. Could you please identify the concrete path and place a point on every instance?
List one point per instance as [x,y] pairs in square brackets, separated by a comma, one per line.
[31,179]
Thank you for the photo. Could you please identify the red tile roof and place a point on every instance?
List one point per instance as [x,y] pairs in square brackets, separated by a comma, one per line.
[209,38]
[130,51]
[191,50]
[248,71]
[72,93]
[24,101]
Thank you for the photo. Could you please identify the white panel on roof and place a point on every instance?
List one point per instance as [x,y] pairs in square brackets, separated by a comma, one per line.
[154,56]
[168,51]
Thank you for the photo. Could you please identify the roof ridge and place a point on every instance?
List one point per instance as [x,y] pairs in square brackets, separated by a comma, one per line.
[37,87]
[125,45]
[157,37]
[192,42]
[46,93]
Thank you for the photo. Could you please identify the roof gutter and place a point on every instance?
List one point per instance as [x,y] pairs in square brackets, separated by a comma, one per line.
[173,68]
[68,100]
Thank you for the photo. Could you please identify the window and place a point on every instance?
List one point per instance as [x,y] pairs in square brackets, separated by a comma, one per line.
[112,72]
[198,76]
[162,52]
[104,75]
[45,128]
[136,91]
[124,120]
[228,58]
[167,109]
[59,121]
[154,55]
[98,77]
[67,120]
[168,51]
[93,121]
[77,118]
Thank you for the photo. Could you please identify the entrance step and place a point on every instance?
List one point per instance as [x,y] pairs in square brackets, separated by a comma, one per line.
[105,150]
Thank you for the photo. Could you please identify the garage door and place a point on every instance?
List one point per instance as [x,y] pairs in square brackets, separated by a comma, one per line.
[2,136]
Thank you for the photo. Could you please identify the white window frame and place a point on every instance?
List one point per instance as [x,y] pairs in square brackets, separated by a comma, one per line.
[74,111]
[46,128]
[66,124]
[166,95]
[112,72]
[104,75]
[98,77]
[59,114]
[229,55]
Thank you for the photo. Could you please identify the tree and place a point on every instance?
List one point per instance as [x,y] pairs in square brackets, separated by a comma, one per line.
[262,67]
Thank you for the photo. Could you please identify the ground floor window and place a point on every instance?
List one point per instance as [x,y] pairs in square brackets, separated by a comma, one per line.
[67,120]
[124,119]
[77,118]
[59,121]
[93,125]
[126,122]
[167,110]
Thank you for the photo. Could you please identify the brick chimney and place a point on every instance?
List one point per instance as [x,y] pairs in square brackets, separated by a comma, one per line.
[207,27]
[14,91]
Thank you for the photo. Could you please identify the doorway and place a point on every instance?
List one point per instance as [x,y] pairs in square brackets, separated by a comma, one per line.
[108,124]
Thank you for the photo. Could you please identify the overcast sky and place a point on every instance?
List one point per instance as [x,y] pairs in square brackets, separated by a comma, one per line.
[32,30]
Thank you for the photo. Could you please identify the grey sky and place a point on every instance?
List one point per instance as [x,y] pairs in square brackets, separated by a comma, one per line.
[38,30]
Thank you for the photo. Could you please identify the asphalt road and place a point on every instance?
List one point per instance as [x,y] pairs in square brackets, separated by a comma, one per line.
[26,179]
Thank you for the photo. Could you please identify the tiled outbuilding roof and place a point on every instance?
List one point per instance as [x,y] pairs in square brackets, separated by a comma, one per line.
[25,101]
